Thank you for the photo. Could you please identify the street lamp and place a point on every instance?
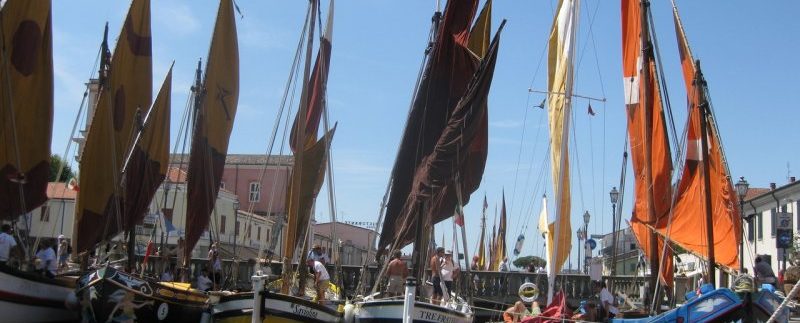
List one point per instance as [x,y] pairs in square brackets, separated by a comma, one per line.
[614,195]
[580,233]
[741,189]
[586,217]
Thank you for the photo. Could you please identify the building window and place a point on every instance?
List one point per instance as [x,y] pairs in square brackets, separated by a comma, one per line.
[255,191]
[268,234]
[760,226]
[45,215]
[222,185]
[236,229]
[222,224]
[633,246]
[751,228]
[258,236]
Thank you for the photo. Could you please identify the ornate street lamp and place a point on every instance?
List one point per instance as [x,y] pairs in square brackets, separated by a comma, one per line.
[614,195]
[741,189]
[586,217]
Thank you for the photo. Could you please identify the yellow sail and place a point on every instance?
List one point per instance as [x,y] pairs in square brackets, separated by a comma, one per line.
[213,125]
[127,88]
[479,36]
[26,90]
[561,48]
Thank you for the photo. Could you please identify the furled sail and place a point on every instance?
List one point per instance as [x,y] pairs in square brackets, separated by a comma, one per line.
[126,88]
[318,86]
[647,132]
[544,227]
[482,242]
[446,76]
[500,251]
[213,124]
[689,212]
[26,95]
[561,49]
[147,165]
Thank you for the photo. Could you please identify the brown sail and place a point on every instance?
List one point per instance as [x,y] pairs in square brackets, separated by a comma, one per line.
[213,124]
[149,158]
[448,72]
[26,102]
[127,88]
[688,227]
[647,131]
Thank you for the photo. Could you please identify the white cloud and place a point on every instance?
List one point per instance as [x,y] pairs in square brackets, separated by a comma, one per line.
[177,18]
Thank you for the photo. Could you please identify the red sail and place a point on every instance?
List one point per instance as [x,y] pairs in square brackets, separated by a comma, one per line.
[648,136]
[213,125]
[447,74]
[318,85]
[688,227]
[26,89]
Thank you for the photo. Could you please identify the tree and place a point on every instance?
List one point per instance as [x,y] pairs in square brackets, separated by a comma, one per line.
[55,163]
[526,262]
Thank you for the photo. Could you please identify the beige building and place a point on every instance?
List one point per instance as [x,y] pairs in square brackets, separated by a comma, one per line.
[355,243]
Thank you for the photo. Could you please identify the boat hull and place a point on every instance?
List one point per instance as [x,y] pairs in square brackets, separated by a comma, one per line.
[392,311]
[152,301]
[277,308]
[28,297]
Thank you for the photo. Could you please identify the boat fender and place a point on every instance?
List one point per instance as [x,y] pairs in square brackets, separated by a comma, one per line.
[162,311]
[349,312]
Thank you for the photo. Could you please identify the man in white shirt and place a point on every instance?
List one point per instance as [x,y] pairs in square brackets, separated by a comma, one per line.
[47,260]
[203,282]
[7,243]
[321,278]
[449,270]
[606,299]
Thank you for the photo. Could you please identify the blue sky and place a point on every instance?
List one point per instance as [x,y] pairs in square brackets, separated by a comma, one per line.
[747,49]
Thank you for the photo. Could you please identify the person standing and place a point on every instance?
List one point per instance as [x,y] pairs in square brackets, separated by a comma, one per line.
[436,279]
[203,283]
[449,271]
[606,300]
[47,260]
[397,272]
[63,252]
[764,273]
[216,265]
[321,278]
[7,244]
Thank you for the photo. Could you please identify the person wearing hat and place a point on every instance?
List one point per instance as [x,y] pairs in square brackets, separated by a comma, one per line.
[321,278]
[317,254]
[63,252]
[436,278]
[449,271]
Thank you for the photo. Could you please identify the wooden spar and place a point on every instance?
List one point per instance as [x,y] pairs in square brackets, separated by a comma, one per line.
[703,106]
[644,74]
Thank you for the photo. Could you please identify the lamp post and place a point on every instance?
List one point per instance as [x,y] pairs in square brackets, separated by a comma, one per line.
[586,217]
[614,196]
[741,189]
[580,234]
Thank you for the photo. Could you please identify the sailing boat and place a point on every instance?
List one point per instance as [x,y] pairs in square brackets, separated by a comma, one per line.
[26,77]
[442,154]
[283,301]
[109,289]
[704,196]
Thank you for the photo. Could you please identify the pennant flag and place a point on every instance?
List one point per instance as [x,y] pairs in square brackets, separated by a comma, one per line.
[518,245]
[73,184]
[459,217]
[591,112]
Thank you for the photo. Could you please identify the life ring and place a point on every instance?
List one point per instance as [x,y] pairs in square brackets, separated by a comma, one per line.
[528,292]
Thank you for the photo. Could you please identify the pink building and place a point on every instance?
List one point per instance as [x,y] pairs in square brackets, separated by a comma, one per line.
[258,181]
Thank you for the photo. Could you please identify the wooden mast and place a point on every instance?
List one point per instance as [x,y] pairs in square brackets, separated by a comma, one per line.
[699,84]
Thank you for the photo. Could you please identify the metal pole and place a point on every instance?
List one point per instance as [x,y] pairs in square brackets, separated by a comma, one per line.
[408,303]
[741,245]
[258,288]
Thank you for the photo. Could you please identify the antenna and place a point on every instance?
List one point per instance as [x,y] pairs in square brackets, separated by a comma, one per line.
[788,171]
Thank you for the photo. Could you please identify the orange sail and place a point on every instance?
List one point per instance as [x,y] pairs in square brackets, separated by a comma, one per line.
[218,99]
[647,131]
[26,106]
[127,88]
[688,227]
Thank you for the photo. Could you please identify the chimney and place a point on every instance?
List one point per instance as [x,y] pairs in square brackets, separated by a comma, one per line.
[792,179]
[772,186]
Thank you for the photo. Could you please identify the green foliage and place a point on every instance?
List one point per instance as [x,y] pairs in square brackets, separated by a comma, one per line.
[527,261]
[55,163]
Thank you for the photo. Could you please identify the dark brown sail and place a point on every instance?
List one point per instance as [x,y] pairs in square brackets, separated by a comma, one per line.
[447,74]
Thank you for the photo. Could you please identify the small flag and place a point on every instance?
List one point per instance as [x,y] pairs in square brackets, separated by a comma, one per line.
[73,184]
[147,253]
[518,246]
[168,225]
[459,220]
[591,112]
